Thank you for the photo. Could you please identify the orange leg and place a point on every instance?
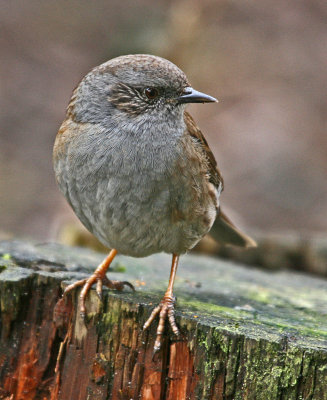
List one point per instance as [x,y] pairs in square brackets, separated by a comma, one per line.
[165,308]
[98,277]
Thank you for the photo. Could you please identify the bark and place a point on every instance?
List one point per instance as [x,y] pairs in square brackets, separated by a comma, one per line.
[246,334]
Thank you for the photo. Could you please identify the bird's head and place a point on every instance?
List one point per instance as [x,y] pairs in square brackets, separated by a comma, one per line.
[133,87]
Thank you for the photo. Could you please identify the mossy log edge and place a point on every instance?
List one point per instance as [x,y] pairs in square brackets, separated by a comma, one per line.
[110,357]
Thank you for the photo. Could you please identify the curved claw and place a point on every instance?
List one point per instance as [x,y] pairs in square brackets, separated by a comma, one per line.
[87,284]
[164,309]
[117,285]
[126,283]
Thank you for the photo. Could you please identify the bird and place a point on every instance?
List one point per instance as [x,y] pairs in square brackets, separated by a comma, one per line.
[138,172]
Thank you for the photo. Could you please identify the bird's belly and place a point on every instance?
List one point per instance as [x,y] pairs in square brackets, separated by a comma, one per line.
[146,215]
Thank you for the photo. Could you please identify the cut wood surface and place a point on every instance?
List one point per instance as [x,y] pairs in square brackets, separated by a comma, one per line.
[246,334]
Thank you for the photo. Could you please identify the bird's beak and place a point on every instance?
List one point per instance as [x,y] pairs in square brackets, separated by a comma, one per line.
[193,96]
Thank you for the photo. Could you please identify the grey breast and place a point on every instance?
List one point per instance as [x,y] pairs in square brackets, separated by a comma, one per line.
[134,190]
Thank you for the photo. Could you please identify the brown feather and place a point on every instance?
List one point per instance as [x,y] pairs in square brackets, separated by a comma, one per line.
[223,230]
[226,233]
[214,174]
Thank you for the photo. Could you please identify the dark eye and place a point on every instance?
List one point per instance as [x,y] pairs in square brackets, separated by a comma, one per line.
[151,93]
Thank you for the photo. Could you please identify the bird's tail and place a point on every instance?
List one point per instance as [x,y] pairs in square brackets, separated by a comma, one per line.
[226,233]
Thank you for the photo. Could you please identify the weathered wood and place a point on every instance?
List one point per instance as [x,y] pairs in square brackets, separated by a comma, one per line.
[247,334]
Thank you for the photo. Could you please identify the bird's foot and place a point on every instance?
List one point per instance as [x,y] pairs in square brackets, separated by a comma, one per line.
[165,309]
[100,280]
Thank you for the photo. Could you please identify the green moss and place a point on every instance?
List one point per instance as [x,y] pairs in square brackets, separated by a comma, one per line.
[118,267]
[5,261]
[2,267]
[221,340]
[111,316]
[236,320]
[209,308]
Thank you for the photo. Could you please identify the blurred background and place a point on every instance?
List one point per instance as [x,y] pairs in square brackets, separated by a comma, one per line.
[265,61]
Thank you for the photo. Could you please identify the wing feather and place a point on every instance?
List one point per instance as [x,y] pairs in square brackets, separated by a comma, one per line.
[223,230]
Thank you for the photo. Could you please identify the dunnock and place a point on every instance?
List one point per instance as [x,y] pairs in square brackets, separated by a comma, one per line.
[137,170]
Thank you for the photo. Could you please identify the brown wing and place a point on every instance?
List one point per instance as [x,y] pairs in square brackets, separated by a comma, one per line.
[223,230]
[226,233]
[215,176]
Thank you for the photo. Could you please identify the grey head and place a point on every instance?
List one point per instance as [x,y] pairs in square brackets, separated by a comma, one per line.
[134,87]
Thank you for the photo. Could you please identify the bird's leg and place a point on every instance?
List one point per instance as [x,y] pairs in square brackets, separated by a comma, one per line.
[98,277]
[165,308]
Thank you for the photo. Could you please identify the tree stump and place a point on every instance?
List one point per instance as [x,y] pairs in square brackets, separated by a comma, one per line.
[246,334]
